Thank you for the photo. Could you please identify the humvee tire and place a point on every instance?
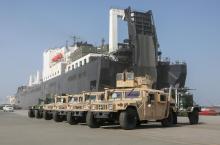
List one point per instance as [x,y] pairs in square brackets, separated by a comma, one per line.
[168,121]
[46,116]
[193,117]
[30,113]
[174,118]
[71,119]
[56,117]
[91,121]
[128,119]
[37,114]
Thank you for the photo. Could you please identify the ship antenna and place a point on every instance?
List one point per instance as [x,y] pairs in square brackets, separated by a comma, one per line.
[103,42]
[75,38]
[67,47]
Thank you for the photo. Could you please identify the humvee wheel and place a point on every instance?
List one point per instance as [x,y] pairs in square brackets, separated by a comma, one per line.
[37,114]
[56,117]
[193,117]
[128,119]
[168,121]
[91,121]
[71,119]
[46,116]
[30,113]
[174,118]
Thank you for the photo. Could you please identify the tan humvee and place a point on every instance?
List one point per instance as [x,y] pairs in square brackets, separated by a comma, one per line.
[79,105]
[57,109]
[130,104]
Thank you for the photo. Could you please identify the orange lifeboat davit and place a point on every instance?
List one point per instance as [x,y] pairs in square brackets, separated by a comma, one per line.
[57,57]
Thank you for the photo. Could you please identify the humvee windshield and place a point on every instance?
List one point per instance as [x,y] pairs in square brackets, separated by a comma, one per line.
[186,100]
[73,99]
[115,95]
[90,98]
[132,94]
[61,100]
[41,101]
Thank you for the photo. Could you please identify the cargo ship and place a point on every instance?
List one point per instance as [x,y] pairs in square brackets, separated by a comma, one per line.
[85,67]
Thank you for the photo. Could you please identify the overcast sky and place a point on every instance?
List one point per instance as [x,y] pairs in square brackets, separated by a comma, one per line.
[187,30]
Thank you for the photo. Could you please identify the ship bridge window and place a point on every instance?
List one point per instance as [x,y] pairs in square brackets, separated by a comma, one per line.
[132,94]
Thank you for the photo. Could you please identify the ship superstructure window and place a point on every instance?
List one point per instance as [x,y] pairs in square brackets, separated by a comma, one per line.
[80,63]
[92,84]
[73,66]
[92,58]
[84,61]
[76,65]
[69,67]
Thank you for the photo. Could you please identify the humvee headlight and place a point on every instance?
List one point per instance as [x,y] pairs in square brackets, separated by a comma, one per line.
[93,107]
[85,107]
[110,107]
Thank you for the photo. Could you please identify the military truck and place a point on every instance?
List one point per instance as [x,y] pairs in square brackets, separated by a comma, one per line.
[37,110]
[131,103]
[183,104]
[57,109]
[79,105]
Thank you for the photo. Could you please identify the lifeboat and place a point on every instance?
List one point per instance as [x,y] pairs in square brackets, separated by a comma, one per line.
[57,57]
[209,112]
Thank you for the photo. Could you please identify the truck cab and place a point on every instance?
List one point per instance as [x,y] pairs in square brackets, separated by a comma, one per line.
[184,105]
[56,110]
[80,104]
[37,110]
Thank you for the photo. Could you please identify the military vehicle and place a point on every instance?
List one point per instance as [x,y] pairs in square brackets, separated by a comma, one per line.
[37,110]
[131,103]
[79,105]
[183,104]
[57,109]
